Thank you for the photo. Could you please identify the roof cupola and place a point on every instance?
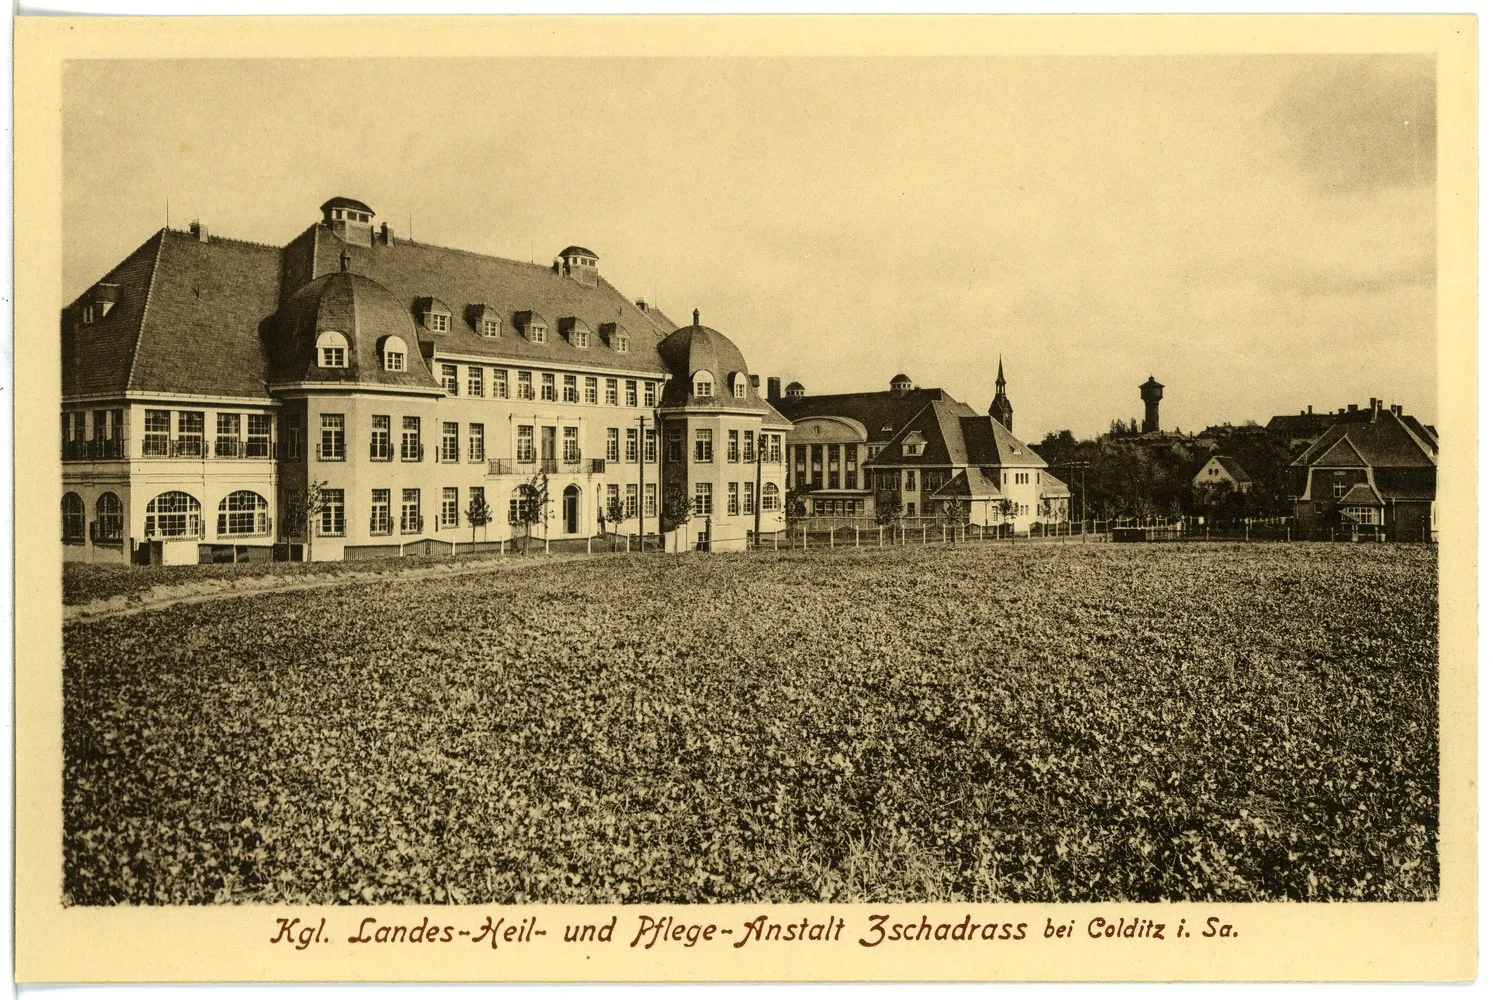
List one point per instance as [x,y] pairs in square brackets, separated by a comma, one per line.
[350,219]
[578,264]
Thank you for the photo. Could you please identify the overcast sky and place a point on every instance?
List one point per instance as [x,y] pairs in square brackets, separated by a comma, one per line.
[1258,233]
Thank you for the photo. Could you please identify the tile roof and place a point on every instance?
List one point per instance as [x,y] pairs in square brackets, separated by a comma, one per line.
[881,413]
[1233,468]
[971,484]
[96,357]
[692,349]
[989,443]
[1361,493]
[1375,438]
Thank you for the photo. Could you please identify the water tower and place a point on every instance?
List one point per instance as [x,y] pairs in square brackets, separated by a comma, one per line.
[1150,392]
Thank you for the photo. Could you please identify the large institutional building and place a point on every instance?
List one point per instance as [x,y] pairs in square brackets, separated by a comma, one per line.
[207,381]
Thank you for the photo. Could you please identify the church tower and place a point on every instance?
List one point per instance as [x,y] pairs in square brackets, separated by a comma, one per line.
[1000,406]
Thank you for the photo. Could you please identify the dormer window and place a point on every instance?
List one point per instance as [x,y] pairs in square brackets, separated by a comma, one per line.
[348,215]
[331,350]
[913,445]
[394,354]
[490,328]
[536,333]
[738,385]
[621,342]
[438,322]
[582,339]
[704,383]
[88,314]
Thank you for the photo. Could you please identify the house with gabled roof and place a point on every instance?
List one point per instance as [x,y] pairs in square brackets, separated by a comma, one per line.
[1225,472]
[207,382]
[1372,473]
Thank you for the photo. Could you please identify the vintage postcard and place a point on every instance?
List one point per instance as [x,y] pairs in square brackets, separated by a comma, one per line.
[745,498]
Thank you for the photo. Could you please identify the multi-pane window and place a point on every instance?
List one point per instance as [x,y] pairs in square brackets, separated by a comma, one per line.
[630,500]
[611,392]
[438,322]
[733,498]
[621,341]
[650,394]
[676,445]
[733,446]
[632,444]
[650,446]
[572,444]
[703,500]
[800,464]
[500,383]
[547,386]
[704,383]
[748,499]
[108,433]
[409,441]
[333,513]
[748,446]
[570,390]
[380,521]
[74,515]
[650,500]
[173,515]
[834,466]
[852,459]
[409,513]
[489,328]
[157,439]
[524,444]
[704,444]
[227,444]
[631,390]
[612,451]
[775,447]
[591,389]
[475,382]
[449,501]
[292,431]
[258,445]
[450,441]
[244,512]
[613,497]
[547,444]
[525,385]
[380,448]
[476,443]
[189,428]
[770,498]
[109,525]
[476,497]
[816,466]
[333,447]
[393,359]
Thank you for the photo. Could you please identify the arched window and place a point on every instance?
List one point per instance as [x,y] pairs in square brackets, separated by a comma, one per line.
[244,512]
[393,352]
[173,515]
[738,385]
[331,350]
[769,496]
[704,383]
[109,523]
[72,518]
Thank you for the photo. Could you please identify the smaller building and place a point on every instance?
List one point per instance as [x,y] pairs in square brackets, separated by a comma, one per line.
[1221,470]
[1301,428]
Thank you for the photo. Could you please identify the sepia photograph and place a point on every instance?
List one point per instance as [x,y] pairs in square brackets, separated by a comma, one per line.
[780,480]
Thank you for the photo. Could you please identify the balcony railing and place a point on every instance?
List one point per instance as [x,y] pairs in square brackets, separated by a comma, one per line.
[412,452]
[73,451]
[381,524]
[336,453]
[598,465]
[411,525]
[380,451]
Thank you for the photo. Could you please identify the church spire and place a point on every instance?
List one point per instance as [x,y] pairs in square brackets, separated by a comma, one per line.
[1000,377]
[1000,406]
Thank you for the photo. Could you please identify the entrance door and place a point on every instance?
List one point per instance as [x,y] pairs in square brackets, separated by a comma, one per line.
[571,508]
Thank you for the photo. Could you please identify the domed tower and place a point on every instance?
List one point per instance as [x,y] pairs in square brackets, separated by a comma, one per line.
[723,443]
[1150,393]
[901,384]
[1000,406]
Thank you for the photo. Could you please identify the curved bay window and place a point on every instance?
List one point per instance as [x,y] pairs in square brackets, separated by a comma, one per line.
[173,515]
[244,512]
[108,525]
[72,519]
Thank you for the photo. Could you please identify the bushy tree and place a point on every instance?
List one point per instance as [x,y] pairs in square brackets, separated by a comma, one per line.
[479,515]
[677,508]
[888,507]
[533,504]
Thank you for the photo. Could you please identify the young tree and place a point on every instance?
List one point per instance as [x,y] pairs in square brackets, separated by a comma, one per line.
[533,504]
[888,507]
[479,515]
[614,515]
[796,507]
[1005,512]
[303,507]
[955,514]
[677,509]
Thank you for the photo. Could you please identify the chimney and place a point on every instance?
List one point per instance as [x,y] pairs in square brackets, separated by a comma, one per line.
[1308,409]
[1397,409]
[386,235]
[198,230]
[1352,407]
[756,381]
[642,305]
[1374,406]
[774,388]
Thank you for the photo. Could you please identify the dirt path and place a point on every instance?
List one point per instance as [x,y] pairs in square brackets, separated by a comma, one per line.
[219,589]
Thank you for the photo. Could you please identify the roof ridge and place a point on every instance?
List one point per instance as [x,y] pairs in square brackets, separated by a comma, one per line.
[213,237]
[1409,432]
[150,285]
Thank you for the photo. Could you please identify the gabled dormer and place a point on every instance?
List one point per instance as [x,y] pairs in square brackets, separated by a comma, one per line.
[101,298]
[486,320]
[914,444]
[532,325]
[435,315]
[576,332]
[614,337]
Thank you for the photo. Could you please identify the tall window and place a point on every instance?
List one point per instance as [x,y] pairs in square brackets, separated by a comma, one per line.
[769,496]
[632,444]
[450,441]
[109,525]
[474,382]
[173,515]
[572,393]
[572,444]
[834,465]
[800,464]
[333,438]
[611,392]
[547,386]
[650,394]
[524,446]
[676,445]
[157,439]
[73,517]
[380,449]
[630,500]
[478,497]
[733,498]
[448,379]
[704,445]
[409,441]
[258,445]
[525,385]
[748,499]
[547,443]
[816,466]
[650,446]
[333,514]
[748,446]
[852,458]
[733,446]
[775,447]
[227,444]
[613,496]
[189,427]
[650,500]
[380,520]
[409,513]
[703,500]
[244,512]
[500,383]
[631,390]
[738,385]
[612,451]
[591,389]
[449,500]
[476,445]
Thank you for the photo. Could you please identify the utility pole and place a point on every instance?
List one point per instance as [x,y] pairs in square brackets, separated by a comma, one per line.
[642,528]
[757,497]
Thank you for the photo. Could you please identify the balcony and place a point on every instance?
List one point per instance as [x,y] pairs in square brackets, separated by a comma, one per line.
[411,525]
[334,452]
[412,451]
[76,451]
[381,524]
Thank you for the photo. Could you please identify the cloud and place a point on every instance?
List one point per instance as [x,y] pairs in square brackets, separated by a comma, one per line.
[1310,282]
[1362,122]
